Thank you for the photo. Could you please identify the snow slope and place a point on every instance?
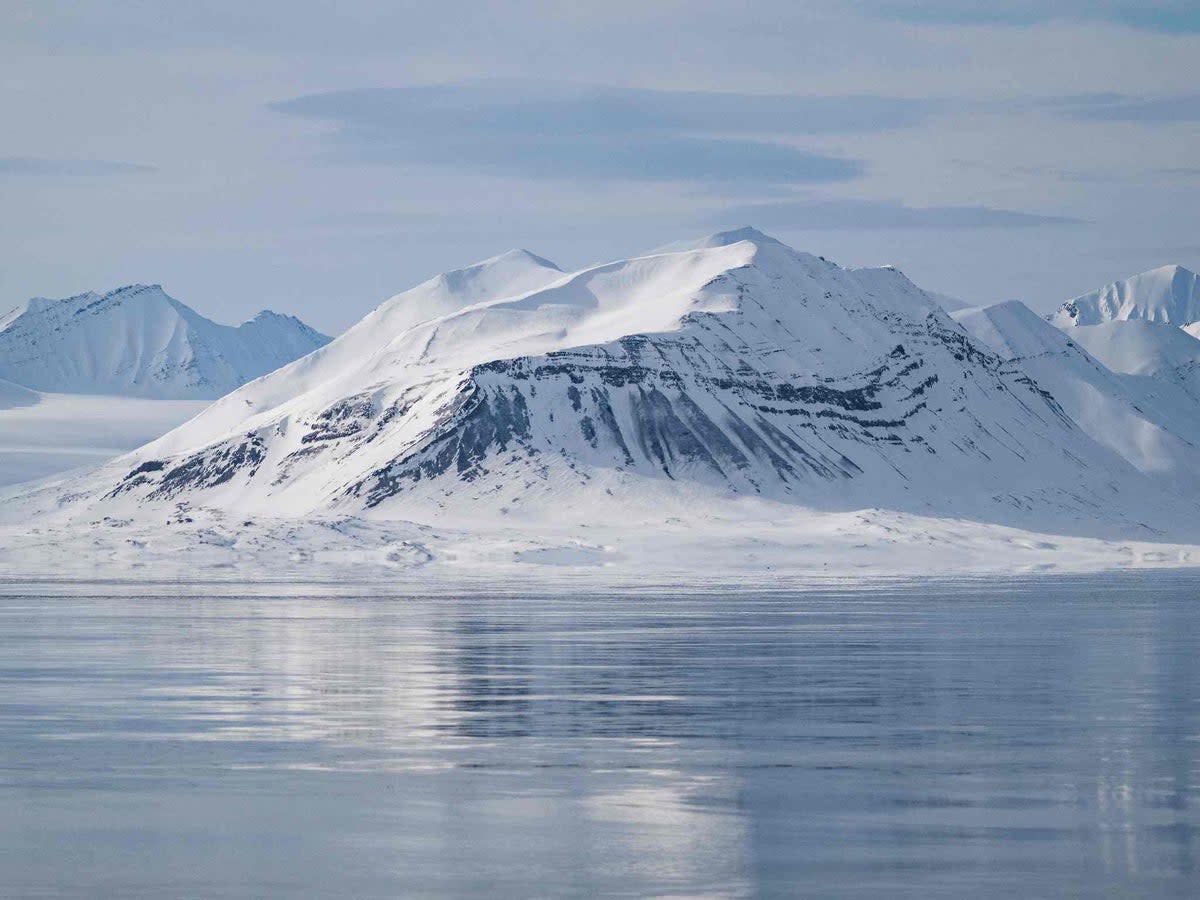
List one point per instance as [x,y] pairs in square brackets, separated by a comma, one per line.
[1139,346]
[1168,294]
[138,342]
[1155,428]
[1145,326]
[731,402]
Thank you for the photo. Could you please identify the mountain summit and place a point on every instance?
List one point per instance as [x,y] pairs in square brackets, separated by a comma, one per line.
[1170,294]
[1147,325]
[137,341]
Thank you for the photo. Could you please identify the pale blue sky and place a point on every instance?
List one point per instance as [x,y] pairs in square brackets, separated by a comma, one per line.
[316,157]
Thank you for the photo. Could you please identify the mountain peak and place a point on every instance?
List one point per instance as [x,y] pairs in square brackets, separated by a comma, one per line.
[126,292]
[136,288]
[519,254]
[1170,270]
[507,265]
[733,236]
[510,273]
[1168,294]
[1011,329]
[154,346]
[269,315]
[723,239]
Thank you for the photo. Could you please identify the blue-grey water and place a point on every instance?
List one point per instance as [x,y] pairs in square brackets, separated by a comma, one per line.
[1035,738]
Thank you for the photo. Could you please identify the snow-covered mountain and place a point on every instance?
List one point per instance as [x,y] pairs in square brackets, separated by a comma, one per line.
[736,366]
[1168,294]
[1153,350]
[729,394]
[1138,346]
[1155,427]
[1146,325]
[136,341]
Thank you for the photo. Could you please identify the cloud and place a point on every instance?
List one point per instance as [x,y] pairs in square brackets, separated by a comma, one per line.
[520,106]
[819,215]
[1170,16]
[1120,108]
[34,166]
[598,132]
[582,158]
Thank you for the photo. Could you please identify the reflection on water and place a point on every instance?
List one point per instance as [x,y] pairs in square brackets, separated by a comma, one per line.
[902,741]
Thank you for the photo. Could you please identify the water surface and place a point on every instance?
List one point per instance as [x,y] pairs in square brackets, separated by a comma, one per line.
[1036,737]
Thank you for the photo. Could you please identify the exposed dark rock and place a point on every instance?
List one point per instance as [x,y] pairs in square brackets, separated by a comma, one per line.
[211,467]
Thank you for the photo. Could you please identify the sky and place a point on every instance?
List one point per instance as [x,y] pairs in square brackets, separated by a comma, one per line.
[318,157]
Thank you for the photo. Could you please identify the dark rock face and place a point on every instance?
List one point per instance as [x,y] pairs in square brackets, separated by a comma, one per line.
[210,467]
[477,424]
[343,419]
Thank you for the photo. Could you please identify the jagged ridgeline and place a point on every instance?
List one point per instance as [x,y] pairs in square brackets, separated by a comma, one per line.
[730,366]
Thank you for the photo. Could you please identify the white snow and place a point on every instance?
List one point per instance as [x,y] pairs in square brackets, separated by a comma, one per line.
[1153,427]
[1139,346]
[138,342]
[1168,294]
[722,406]
[750,541]
[1144,326]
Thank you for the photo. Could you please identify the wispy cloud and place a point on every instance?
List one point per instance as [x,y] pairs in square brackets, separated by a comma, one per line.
[519,106]
[839,214]
[34,166]
[1121,108]
[586,131]
[1170,16]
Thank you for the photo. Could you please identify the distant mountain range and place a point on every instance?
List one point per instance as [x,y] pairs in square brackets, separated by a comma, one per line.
[137,341]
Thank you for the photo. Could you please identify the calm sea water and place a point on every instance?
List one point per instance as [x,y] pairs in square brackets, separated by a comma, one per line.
[1028,738]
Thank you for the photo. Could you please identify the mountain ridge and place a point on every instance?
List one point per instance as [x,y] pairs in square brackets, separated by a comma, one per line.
[1144,326]
[1151,426]
[1169,294]
[138,341]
